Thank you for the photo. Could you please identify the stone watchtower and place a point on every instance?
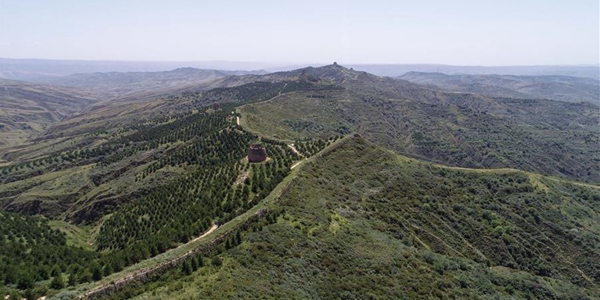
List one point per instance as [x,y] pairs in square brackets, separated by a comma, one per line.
[257,153]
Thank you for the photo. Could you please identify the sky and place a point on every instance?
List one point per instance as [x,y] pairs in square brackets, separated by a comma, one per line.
[492,33]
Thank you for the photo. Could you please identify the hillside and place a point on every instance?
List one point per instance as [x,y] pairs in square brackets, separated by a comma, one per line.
[561,88]
[28,109]
[125,99]
[468,130]
[178,178]
[120,99]
[359,214]
[179,170]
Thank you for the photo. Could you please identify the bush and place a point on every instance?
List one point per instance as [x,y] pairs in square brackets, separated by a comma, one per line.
[216,261]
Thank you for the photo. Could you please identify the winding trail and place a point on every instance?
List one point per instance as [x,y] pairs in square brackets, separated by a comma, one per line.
[298,153]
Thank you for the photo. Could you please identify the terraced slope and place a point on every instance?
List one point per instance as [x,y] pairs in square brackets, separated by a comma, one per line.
[135,192]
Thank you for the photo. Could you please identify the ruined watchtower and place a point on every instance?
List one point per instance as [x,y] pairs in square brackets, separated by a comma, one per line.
[257,153]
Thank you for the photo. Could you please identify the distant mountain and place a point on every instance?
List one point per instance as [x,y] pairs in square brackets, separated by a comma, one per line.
[119,84]
[394,70]
[41,69]
[460,129]
[562,88]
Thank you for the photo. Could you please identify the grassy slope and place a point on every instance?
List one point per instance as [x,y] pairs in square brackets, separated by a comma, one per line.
[364,223]
[312,116]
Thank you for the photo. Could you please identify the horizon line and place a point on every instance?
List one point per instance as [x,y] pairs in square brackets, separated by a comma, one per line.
[291,63]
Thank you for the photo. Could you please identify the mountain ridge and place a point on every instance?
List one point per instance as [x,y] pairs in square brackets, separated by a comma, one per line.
[562,88]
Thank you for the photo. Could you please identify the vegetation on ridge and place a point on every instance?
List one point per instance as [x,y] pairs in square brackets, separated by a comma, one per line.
[360,222]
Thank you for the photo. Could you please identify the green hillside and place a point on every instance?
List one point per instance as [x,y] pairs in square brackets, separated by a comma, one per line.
[469,211]
[548,137]
[360,222]
[132,193]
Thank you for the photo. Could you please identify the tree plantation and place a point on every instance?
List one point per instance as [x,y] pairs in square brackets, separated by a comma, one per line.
[371,188]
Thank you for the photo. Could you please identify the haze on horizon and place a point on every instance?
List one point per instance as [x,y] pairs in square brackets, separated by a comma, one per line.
[489,33]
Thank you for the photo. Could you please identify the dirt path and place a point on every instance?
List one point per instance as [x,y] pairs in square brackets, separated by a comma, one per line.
[213,228]
[295,150]
[282,89]
[295,165]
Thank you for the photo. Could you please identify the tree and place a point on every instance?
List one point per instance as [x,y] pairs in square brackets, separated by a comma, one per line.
[194,263]
[85,276]
[25,282]
[108,269]
[200,261]
[57,282]
[186,268]
[96,274]
[72,279]
[238,238]
[55,271]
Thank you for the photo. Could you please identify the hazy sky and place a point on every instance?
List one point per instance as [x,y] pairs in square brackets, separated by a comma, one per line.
[449,32]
